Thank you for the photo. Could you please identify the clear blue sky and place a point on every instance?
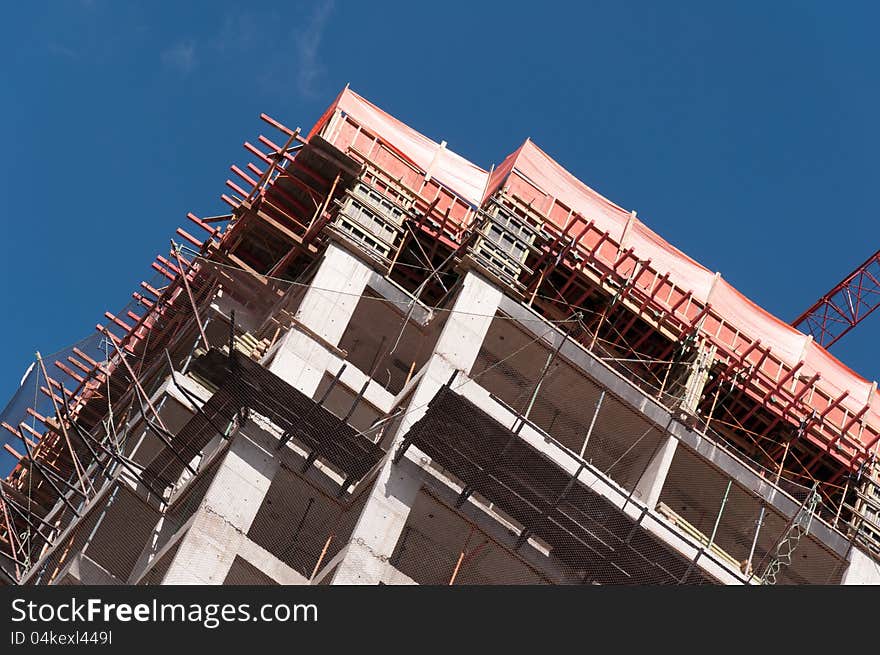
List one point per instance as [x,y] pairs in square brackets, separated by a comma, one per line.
[744,133]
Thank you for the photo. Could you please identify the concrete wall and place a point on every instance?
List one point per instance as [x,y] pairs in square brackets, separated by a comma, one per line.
[863,569]
[223,542]
[377,531]
[324,314]
[216,535]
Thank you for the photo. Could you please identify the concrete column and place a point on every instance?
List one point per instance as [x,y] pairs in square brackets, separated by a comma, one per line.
[380,525]
[83,570]
[220,526]
[458,345]
[862,569]
[650,485]
[324,314]
[225,514]
[392,496]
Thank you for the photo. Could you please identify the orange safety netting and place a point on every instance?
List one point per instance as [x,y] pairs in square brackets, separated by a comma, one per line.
[537,179]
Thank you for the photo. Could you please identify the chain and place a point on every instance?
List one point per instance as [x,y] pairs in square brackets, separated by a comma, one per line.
[800,526]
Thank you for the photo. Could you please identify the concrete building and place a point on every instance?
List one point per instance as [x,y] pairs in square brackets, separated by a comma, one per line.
[388,365]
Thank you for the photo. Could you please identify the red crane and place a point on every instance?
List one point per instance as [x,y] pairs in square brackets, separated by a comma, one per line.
[842,308]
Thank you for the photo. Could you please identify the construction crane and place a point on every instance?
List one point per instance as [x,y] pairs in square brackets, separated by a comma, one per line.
[845,306]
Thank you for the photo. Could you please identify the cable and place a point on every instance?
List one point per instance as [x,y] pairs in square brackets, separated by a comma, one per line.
[405,303]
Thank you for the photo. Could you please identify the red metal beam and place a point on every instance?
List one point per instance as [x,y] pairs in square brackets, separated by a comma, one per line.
[186,235]
[152,290]
[202,224]
[146,302]
[82,367]
[845,306]
[232,202]
[257,153]
[69,371]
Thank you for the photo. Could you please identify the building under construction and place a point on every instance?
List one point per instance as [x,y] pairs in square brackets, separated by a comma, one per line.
[388,365]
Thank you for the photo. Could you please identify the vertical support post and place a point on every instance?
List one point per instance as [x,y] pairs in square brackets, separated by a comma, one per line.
[650,484]
[175,249]
[720,512]
[324,314]
[225,515]
[759,523]
[74,459]
[592,424]
[396,488]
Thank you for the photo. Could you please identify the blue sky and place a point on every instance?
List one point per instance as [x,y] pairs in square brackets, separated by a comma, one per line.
[744,133]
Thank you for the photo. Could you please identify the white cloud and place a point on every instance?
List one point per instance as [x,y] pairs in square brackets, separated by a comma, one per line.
[181,57]
[241,31]
[308,42]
